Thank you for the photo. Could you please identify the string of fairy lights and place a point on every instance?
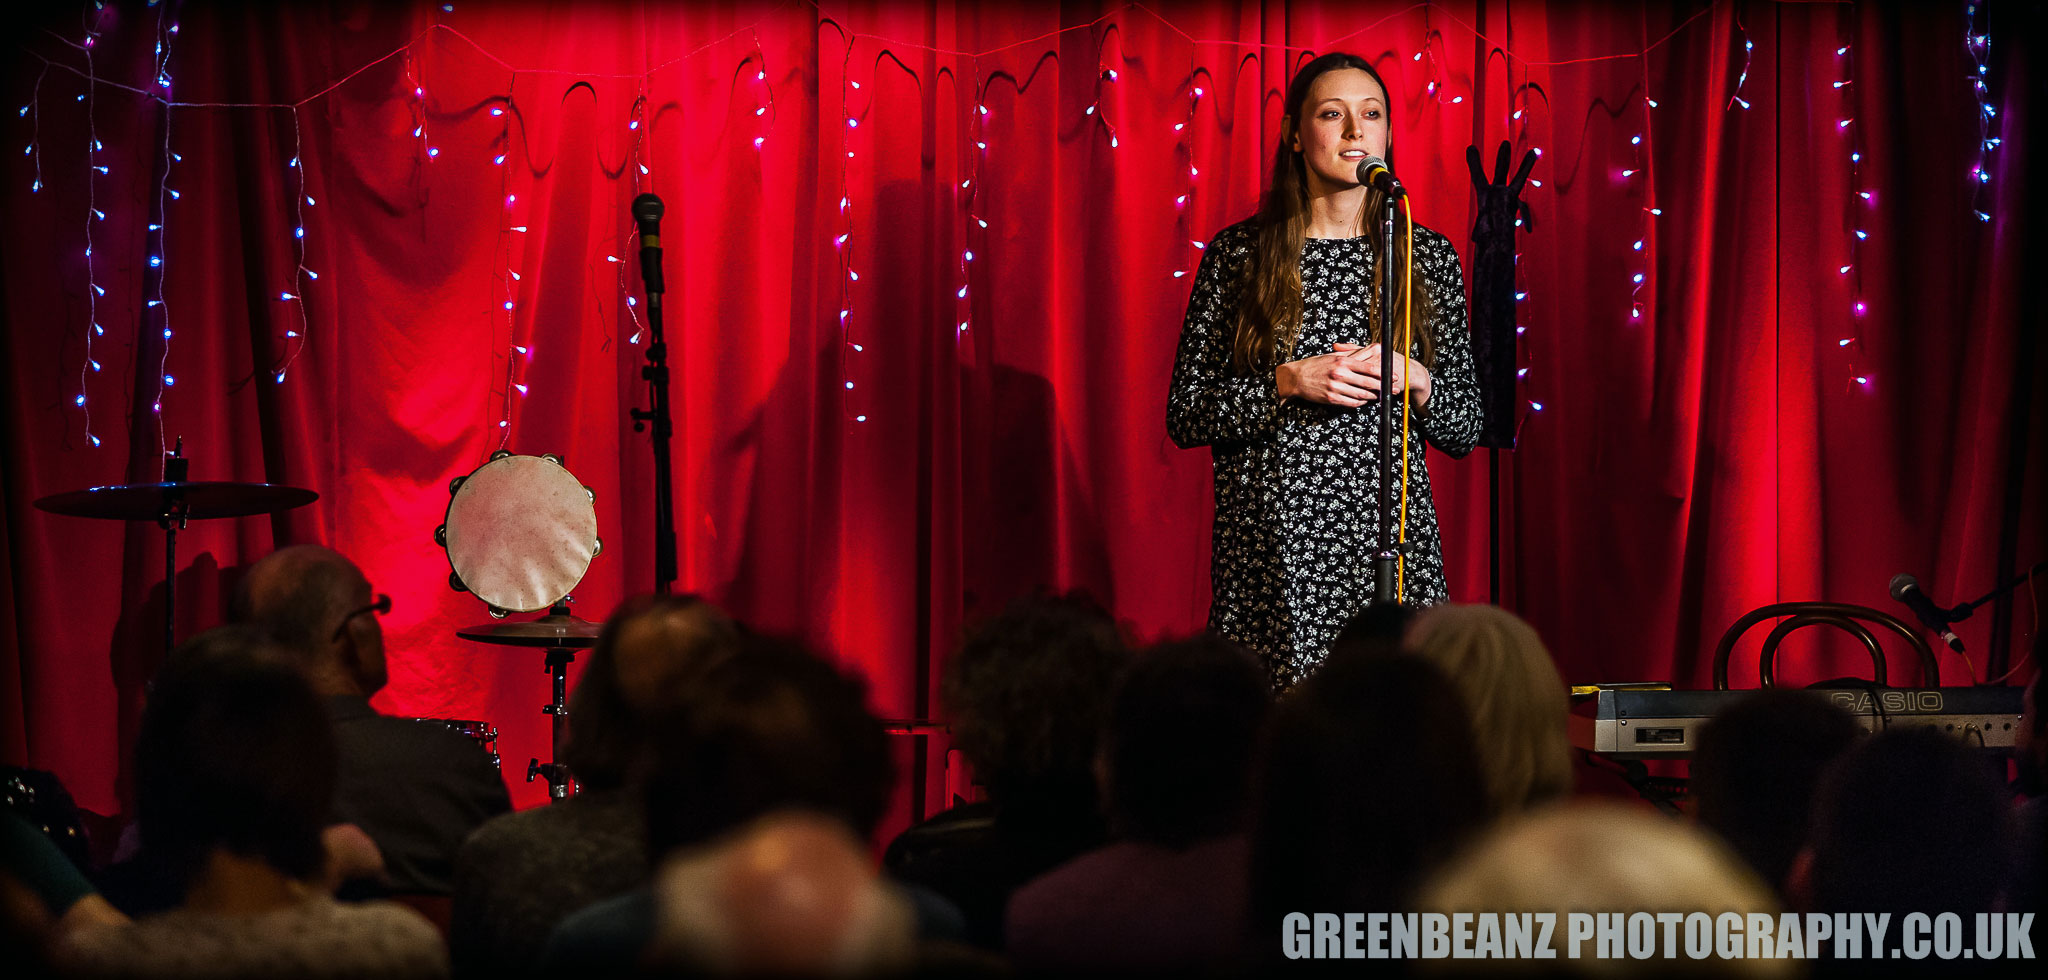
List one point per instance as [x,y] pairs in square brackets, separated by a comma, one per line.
[764,98]
[418,105]
[977,127]
[1856,208]
[1642,251]
[32,111]
[1518,123]
[1977,44]
[93,214]
[848,345]
[966,194]
[1517,109]
[854,109]
[1184,150]
[1748,60]
[1103,74]
[156,235]
[506,254]
[1433,87]
[296,338]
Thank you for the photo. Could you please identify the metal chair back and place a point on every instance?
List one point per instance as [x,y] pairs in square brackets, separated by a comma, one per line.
[1841,615]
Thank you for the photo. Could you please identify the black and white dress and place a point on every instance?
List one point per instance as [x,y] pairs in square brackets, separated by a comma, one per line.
[1297,487]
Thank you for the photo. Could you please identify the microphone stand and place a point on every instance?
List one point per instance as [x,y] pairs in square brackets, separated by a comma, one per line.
[655,372]
[1386,558]
[1962,612]
[1958,613]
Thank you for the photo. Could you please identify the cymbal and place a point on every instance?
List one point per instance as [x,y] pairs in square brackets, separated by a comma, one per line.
[554,630]
[195,501]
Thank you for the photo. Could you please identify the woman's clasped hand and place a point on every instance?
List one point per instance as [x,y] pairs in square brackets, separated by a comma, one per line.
[1350,376]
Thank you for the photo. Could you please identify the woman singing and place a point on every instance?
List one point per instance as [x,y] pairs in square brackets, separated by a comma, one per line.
[1279,360]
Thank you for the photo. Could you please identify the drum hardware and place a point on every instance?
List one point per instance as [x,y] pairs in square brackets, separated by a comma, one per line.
[561,635]
[483,733]
[560,780]
[520,533]
[40,799]
[171,503]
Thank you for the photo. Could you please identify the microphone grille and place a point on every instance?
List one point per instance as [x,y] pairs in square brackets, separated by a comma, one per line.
[1368,166]
[1903,583]
[647,207]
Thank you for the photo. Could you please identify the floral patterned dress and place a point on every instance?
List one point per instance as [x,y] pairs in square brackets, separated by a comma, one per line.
[1297,485]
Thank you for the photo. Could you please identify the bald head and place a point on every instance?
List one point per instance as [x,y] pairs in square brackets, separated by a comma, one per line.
[301,595]
[793,893]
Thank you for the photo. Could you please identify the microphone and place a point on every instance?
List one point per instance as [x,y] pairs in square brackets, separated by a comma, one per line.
[1373,172]
[647,210]
[1906,589]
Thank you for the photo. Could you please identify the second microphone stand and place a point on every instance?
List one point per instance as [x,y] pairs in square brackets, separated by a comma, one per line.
[647,211]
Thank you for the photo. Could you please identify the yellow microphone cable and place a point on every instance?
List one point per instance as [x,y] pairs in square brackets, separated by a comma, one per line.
[1407,343]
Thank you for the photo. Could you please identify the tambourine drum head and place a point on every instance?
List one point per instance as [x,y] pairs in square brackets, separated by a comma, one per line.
[521,532]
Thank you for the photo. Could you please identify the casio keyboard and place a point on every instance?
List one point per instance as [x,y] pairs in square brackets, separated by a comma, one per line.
[1645,721]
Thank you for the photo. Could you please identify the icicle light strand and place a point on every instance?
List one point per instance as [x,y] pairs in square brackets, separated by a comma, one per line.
[1976,40]
[92,214]
[158,240]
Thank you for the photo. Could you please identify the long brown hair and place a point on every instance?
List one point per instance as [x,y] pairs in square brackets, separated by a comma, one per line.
[1269,303]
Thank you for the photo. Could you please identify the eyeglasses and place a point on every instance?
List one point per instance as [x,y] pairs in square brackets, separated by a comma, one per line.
[381,607]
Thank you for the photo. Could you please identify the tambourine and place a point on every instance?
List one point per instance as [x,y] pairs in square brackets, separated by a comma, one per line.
[520,532]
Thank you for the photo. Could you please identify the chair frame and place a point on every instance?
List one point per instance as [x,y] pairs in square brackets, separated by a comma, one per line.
[1841,615]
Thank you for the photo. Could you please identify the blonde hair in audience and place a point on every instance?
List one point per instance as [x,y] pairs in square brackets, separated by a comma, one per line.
[1604,857]
[1513,695]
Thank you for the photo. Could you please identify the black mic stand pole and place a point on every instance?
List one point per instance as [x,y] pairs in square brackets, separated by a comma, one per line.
[1385,560]
[1962,612]
[655,371]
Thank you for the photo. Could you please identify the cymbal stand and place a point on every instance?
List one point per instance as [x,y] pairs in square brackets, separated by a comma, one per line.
[561,783]
[172,519]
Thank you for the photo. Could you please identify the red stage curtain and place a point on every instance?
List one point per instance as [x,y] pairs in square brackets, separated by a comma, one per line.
[873,479]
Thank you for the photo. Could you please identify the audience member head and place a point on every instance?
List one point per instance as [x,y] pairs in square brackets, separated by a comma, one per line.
[2030,740]
[1603,857]
[26,928]
[790,894]
[770,727]
[234,754]
[1910,820]
[317,605]
[652,651]
[1755,770]
[1029,692]
[1378,629]
[1514,700]
[1369,780]
[1183,728]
